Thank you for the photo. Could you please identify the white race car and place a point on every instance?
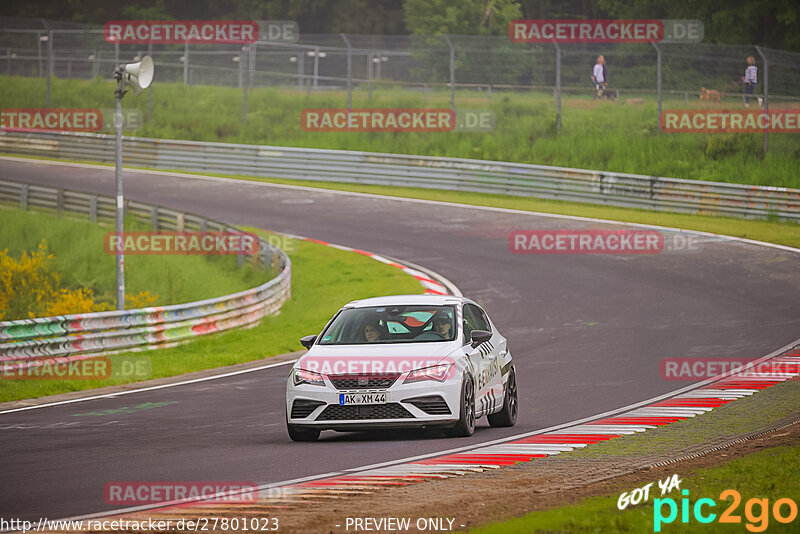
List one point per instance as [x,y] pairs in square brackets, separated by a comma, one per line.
[403,361]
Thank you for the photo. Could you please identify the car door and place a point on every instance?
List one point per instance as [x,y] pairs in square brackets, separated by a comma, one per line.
[488,381]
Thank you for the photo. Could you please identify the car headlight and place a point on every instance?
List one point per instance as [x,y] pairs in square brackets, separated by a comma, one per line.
[435,372]
[301,376]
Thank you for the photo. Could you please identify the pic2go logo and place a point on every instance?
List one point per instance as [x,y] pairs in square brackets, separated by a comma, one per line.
[756,511]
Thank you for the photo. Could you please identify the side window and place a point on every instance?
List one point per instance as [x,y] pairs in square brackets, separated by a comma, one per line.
[478,318]
[469,323]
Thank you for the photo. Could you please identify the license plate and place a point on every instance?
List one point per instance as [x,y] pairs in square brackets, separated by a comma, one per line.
[349,399]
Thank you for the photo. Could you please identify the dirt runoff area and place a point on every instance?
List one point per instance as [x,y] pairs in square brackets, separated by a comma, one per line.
[505,493]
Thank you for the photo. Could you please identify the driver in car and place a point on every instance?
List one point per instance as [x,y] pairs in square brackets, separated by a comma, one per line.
[441,325]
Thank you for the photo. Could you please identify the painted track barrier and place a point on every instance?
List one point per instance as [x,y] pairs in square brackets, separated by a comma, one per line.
[75,336]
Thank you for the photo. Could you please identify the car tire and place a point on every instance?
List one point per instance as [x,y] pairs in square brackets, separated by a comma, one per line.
[298,433]
[465,426]
[508,415]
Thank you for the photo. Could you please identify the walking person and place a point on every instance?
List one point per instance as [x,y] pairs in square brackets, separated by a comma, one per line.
[599,77]
[750,80]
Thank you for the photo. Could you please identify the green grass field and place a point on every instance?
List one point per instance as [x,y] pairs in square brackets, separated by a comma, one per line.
[769,474]
[596,135]
[82,261]
[323,280]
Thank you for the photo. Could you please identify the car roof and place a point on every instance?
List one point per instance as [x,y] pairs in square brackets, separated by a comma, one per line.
[407,300]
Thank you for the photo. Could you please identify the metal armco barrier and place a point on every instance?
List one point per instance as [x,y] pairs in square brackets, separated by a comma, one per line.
[74,336]
[608,188]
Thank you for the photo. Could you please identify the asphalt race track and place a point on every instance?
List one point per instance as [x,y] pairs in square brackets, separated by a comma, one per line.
[587,332]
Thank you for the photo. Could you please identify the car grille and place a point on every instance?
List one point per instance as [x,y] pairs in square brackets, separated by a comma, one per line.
[381,381]
[335,412]
[431,405]
[303,407]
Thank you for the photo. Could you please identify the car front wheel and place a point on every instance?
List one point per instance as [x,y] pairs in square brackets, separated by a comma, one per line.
[298,433]
[465,426]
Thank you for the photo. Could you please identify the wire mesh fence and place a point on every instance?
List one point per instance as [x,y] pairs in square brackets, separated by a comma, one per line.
[483,64]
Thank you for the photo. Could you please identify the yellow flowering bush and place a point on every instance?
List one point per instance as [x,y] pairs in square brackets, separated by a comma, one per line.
[29,288]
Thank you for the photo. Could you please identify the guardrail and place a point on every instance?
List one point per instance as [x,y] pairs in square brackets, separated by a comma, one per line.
[608,188]
[89,334]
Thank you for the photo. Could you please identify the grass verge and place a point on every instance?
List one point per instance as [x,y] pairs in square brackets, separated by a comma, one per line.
[595,135]
[323,279]
[769,474]
[82,262]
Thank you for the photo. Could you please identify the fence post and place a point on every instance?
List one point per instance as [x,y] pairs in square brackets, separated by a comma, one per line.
[59,202]
[23,197]
[316,66]
[349,72]
[50,61]
[186,63]
[93,209]
[154,219]
[658,51]
[370,67]
[243,75]
[40,63]
[766,95]
[558,87]
[452,73]
[301,69]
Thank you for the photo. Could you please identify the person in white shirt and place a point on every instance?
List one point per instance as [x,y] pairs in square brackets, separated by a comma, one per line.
[598,76]
[750,80]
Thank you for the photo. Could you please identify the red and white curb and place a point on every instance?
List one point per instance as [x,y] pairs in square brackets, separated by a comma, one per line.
[667,409]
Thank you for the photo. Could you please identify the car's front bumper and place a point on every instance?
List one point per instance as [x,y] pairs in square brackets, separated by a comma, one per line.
[415,405]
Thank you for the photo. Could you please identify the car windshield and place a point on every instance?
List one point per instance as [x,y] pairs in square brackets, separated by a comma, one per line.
[391,324]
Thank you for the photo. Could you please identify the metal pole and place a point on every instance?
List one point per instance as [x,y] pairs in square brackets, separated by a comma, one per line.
[301,69]
[558,87]
[120,198]
[39,53]
[452,73]
[349,72]
[370,62]
[186,63]
[658,51]
[316,65]
[245,56]
[49,64]
[766,95]
[149,89]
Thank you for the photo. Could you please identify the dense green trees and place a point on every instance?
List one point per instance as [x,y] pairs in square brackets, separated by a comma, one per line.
[773,23]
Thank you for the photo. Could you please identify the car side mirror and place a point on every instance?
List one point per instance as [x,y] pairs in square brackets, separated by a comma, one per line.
[479,336]
[308,341]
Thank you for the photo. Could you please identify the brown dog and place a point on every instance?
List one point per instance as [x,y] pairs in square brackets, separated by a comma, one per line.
[709,94]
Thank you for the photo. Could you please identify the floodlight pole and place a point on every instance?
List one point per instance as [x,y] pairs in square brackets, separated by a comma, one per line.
[118,94]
